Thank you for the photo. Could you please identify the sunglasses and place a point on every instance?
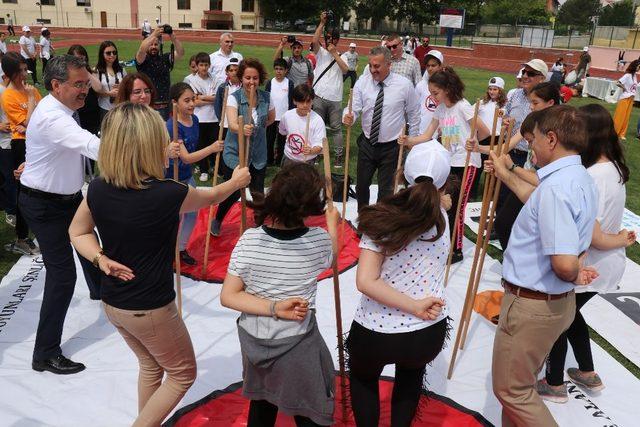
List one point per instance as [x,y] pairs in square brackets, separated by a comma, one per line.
[111,52]
[393,46]
[531,73]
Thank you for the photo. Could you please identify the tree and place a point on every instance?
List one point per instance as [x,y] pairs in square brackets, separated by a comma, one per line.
[516,12]
[291,10]
[578,12]
[617,14]
[376,10]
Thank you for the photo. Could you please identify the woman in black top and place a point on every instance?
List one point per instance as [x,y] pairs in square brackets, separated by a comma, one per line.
[138,294]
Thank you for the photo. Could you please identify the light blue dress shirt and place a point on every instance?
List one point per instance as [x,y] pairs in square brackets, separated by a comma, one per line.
[557,219]
[518,107]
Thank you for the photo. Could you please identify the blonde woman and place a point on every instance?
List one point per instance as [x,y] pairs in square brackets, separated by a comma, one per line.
[137,293]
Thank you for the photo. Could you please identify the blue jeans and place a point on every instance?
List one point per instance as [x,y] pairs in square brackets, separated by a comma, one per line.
[188,220]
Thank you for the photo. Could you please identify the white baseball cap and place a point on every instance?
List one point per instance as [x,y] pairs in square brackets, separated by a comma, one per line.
[26,28]
[585,49]
[352,44]
[538,65]
[428,159]
[496,82]
[436,54]
[43,29]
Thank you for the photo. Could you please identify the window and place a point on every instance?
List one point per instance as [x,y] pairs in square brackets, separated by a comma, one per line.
[10,1]
[184,4]
[185,25]
[83,2]
[248,5]
[215,4]
[248,27]
[48,2]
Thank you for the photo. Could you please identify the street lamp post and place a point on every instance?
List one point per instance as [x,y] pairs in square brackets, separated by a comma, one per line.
[40,6]
[160,13]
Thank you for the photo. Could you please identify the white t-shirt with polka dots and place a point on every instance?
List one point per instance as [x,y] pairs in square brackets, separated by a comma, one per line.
[416,271]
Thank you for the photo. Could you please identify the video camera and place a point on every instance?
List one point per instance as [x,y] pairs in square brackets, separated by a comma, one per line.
[166,29]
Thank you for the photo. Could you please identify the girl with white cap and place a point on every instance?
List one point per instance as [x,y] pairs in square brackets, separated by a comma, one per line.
[402,317]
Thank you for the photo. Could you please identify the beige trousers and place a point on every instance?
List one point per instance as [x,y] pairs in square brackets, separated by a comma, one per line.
[161,342]
[526,332]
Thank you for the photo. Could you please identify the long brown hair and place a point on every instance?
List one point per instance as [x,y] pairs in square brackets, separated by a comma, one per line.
[295,193]
[397,220]
[450,82]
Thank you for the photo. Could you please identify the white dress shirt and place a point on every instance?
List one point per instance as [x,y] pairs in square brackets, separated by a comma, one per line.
[399,99]
[56,145]
[219,62]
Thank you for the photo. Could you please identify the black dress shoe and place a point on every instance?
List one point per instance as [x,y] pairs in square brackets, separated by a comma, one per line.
[58,365]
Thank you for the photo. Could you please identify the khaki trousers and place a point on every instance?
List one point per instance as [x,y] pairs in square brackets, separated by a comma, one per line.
[526,332]
[161,343]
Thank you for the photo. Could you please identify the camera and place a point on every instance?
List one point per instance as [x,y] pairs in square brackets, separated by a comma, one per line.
[330,18]
[291,39]
[166,29]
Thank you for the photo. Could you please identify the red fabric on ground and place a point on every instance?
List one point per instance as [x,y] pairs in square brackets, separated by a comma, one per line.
[220,248]
[229,408]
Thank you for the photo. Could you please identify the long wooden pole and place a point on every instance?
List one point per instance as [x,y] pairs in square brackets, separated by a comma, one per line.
[484,239]
[345,184]
[252,105]
[463,189]
[485,244]
[336,283]
[306,135]
[396,178]
[205,262]
[176,177]
[243,163]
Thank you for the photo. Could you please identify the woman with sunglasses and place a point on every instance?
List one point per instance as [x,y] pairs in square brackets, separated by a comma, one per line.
[137,88]
[110,74]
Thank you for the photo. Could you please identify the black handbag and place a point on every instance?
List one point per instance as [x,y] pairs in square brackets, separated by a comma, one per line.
[337,183]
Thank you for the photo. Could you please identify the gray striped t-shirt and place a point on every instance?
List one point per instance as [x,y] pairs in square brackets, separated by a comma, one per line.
[276,265]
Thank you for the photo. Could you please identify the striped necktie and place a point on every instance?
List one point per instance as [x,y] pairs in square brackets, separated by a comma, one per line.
[377,116]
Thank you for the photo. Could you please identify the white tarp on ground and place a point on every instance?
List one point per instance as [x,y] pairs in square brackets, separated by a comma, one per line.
[105,393]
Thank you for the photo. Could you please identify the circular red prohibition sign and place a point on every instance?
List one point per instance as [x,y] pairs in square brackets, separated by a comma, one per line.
[430,103]
[296,143]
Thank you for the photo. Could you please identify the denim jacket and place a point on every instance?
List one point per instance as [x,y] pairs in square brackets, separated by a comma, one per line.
[258,147]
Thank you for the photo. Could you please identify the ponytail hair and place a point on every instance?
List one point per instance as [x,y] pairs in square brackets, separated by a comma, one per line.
[448,80]
[398,219]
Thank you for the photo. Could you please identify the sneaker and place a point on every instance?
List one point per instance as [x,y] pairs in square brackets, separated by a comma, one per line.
[552,394]
[590,382]
[10,219]
[215,228]
[186,258]
[21,247]
[196,170]
[35,250]
[456,257]
[204,177]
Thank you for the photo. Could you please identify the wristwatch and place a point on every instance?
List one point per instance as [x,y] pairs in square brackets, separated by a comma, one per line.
[513,166]
[96,259]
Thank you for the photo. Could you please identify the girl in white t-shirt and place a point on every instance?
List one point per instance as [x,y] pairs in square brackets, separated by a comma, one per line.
[629,85]
[452,119]
[46,50]
[302,145]
[604,160]
[110,73]
[402,318]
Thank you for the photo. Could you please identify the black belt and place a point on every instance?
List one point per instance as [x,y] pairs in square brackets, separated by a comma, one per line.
[530,293]
[48,196]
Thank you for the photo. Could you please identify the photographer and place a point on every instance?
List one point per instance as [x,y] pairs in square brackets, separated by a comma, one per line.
[327,82]
[300,68]
[158,66]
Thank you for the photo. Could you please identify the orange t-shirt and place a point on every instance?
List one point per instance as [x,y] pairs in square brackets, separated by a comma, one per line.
[15,105]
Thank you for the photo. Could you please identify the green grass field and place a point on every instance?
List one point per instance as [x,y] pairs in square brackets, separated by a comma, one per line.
[475,80]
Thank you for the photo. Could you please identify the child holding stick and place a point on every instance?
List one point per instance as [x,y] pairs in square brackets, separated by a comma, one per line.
[272,281]
[453,119]
[402,317]
[304,128]
[188,134]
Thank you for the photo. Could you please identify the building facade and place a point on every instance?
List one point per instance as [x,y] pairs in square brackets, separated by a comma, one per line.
[197,14]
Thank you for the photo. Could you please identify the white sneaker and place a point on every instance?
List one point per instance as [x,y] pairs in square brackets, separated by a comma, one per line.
[11,220]
[204,177]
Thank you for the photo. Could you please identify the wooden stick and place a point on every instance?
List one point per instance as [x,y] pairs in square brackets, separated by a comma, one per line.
[484,239]
[345,184]
[205,262]
[396,179]
[463,188]
[252,105]
[176,177]
[306,135]
[485,245]
[243,163]
[336,283]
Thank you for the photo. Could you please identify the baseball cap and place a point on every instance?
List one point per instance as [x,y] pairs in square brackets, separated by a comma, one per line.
[352,44]
[436,54]
[538,65]
[496,82]
[429,159]
[26,28]
[232,61]
[44,29]
[585,49]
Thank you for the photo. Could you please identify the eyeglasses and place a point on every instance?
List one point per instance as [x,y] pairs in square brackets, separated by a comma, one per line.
[80,85]
[111,52]
[530,73]
[138,92]
[393,46]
